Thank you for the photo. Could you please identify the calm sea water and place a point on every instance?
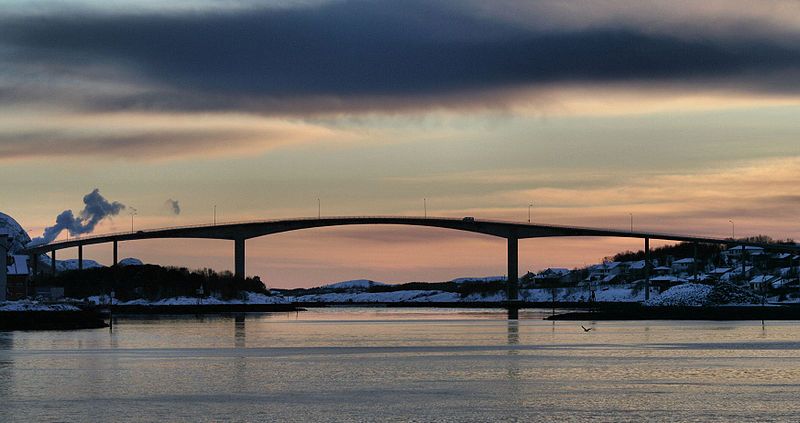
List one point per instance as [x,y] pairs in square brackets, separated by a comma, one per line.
[352,364]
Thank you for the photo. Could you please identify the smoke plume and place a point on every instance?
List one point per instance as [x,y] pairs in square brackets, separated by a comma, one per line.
[173,206]
[96,209]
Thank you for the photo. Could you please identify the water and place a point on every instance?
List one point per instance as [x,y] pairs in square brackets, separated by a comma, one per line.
[352,364]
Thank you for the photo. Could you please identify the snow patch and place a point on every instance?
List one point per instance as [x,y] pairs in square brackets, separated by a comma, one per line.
[27,305]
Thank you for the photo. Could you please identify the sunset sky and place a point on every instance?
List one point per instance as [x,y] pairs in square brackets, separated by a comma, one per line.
[684,114]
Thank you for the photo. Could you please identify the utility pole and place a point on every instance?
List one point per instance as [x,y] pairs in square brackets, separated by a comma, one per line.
[733,230]
[215,214]
[631,221]
[319,209]
[425,207]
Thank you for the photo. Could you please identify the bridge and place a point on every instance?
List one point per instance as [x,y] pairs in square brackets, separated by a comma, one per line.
[239,232]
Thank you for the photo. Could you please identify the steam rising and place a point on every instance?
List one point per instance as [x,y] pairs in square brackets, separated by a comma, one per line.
[173,206]
[96,209]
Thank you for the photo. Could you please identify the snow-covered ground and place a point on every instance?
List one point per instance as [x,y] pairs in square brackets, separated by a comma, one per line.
[250,298]
[27,305]
[357,283]
[687,294]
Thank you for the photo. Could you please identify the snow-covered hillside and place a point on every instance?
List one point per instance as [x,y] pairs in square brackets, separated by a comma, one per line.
[72,264]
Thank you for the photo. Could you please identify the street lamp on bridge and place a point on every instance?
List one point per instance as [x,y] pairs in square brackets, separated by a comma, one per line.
[132,213]
[733,230]
[529,211]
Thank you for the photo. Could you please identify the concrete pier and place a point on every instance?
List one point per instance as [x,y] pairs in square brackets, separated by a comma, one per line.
[53,262]
[513,278]
[116,255]
[238,258]
[647,265]
[80,257]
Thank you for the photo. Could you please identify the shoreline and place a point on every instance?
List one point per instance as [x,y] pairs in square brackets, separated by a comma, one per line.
[51,320]
[710,313]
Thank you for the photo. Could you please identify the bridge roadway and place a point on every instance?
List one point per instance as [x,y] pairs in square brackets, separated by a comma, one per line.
[238,232]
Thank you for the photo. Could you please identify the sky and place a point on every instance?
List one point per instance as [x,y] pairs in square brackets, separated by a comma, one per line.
[679,115]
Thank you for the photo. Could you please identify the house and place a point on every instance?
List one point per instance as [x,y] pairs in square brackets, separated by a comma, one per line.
[3,255]
[779,260]
[735,253]
[551,275]
[662,270]
[18,272]
[614,268]
[684,265]
[736,273]
[760,283]
[636,265]
[717,273]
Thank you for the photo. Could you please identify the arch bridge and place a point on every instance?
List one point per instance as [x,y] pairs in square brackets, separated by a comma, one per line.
[239,232]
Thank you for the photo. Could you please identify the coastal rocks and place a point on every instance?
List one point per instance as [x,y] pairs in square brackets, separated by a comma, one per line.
[728,293]
[688,294]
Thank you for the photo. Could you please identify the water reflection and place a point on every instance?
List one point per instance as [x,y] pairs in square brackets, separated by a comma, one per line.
[239,331]
[6,372]
[399,365]
[513,332]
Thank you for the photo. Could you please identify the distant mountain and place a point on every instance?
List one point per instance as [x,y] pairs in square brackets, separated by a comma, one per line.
[357,283]
[72,264]
[130,261]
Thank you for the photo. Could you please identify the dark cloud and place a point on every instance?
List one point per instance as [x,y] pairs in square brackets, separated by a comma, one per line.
[342,54]
[144,144]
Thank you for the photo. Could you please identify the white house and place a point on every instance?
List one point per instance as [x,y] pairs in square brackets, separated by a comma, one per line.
[684,265]
[761,282]
[736,252]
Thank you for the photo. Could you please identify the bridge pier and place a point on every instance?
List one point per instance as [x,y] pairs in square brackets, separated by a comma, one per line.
[238,258]
[116,257]
[646,269]
[53,262]
[513,278]
[80,257]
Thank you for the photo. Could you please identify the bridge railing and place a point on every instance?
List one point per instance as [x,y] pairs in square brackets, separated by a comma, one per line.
[611,232]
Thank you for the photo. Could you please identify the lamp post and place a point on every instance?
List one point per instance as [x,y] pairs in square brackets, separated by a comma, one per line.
[733,230]
[631,221]
[215,214]
[319,209]
[529,211]
[425,207]
[132,213]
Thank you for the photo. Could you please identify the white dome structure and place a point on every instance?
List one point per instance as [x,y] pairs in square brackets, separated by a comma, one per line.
[17,236]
